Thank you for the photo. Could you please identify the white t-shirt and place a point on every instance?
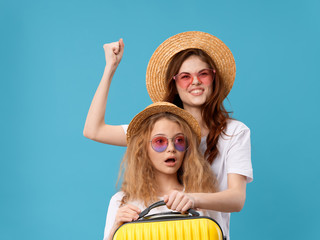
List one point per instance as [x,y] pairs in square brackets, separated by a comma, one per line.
[116,201]
[234,157]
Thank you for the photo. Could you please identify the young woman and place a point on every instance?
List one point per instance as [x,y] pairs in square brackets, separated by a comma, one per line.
[162,158]
[195,71]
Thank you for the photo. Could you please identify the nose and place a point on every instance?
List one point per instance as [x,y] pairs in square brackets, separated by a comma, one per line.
[195,80]
[171,147]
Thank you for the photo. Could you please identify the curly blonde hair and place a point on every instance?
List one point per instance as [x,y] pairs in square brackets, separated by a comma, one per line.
[137,170]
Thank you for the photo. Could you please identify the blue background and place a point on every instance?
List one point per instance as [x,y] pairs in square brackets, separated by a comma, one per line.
[56,184]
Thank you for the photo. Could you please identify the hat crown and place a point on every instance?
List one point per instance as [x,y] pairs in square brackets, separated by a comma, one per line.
[162,107]
[213,46]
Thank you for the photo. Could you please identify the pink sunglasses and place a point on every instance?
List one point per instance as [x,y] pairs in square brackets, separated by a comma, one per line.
[160,143]
[205,76]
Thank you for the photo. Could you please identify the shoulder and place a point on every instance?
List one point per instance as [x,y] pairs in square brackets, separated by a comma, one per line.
[234,131]
[235,127]
[116,198]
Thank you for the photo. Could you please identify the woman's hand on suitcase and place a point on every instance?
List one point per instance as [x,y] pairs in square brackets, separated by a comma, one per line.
[127,213]
[179,201]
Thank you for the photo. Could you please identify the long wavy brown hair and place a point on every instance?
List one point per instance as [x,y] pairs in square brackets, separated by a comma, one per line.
[213,111]
[139,181]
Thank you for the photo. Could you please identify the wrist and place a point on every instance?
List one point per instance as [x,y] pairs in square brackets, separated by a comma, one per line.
[109,71]
[110,68]
[194,199]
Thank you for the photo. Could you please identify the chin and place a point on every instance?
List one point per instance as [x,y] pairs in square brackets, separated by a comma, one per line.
[194,103]
[171,171]
[199,102]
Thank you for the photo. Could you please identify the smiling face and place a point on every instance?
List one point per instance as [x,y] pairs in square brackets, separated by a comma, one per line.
[196,93]
[170,160]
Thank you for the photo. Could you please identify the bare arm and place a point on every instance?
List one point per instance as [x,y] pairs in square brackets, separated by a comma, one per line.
[127,213]
[95,127]
[230,200]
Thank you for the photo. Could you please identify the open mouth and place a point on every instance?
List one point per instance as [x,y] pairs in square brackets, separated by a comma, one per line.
[170,160]
[197,92]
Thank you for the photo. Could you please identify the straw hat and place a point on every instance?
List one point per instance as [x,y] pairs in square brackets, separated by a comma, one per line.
[159,62]
[160,107]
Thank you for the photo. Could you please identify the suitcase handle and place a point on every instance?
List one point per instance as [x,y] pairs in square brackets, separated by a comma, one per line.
[162,203]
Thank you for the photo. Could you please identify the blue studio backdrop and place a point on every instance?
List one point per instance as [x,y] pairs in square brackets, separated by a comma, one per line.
[56,184]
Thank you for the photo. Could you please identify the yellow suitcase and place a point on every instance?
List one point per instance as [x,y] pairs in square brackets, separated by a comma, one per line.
[170,225]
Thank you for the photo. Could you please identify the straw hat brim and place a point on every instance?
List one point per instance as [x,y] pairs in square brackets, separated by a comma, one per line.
[159,61]
[160,107]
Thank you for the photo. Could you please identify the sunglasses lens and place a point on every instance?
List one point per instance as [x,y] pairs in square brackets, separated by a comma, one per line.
[159,144]
[206,76]
[184,79]
[180,143]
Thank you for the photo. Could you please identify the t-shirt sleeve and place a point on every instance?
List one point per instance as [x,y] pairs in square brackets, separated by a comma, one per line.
[114,205]
[125,127]
[239,154]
